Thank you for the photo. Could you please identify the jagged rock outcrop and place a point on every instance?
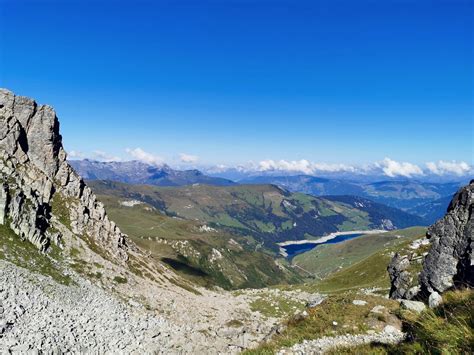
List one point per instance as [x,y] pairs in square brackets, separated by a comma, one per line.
[38,187]
[401,279]
[449,261]
[3,202]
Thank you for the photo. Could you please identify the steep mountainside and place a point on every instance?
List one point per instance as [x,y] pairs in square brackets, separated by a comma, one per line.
[380,212]
[409,195]
[427,200]
[38,185]
[433,210]
[205,255]
[308,184]
[266,212]
[135,172]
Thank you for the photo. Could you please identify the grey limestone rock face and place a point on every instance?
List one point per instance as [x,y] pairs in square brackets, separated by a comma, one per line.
[3,202]
[34,173]
[450,260]
[400,278]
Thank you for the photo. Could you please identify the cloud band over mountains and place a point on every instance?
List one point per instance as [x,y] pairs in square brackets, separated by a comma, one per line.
[387,167]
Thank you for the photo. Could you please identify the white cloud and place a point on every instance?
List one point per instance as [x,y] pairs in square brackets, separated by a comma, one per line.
[449,167]
[140,154]
[394,168]
[333,168]
[387,167]
[303,166]
[103,156]
[74,154]
[295,165]
[188,158]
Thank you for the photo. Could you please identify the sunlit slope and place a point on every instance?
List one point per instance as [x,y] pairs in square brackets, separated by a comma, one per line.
[329,258]
[266,212]
[204,255]
[371,271]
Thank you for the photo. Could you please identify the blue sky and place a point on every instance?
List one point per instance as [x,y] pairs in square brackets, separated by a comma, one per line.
[349,82]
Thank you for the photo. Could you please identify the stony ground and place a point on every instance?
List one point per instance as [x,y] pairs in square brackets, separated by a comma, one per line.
[39,315]
[36,313]
[390,335]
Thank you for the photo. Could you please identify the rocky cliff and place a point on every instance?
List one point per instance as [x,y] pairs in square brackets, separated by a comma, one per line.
[449,261]
[38,188]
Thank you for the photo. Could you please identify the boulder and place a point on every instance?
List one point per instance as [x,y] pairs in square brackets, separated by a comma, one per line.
[435,299]
[314,300]
[400,278]
[414,306]
[378,309]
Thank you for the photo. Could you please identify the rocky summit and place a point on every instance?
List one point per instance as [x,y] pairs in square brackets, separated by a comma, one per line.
[39,186]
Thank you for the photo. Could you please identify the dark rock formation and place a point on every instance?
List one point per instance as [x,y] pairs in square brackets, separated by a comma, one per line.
[400,278]
[450,260]
[38,187]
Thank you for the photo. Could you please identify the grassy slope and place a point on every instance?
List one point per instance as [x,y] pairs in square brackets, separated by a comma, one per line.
[326,259]
[337,315]
[24,254]
[267,213]
[447,329]
[370,272]
[187,249]
[406,195]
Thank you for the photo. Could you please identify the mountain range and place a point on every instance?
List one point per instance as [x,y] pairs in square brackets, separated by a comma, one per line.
[268,213]
[136,172]
[428,200]
[409,195]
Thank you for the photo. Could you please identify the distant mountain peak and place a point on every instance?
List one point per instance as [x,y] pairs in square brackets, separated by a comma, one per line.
[138,172]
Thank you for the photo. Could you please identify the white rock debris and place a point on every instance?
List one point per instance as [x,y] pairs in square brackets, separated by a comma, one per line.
[130,203]
[390,335]
[206,228]
[416,244]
